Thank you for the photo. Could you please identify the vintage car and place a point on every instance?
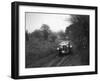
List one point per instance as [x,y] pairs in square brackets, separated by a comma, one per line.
[64,48]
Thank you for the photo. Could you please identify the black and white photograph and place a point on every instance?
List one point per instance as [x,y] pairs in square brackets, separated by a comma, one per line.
[50,40]
[54,40]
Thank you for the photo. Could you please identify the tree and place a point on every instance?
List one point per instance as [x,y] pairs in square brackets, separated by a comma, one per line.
[52,37]
[62,35]
[46,30]
[37,34]
[26,35]
[78,32]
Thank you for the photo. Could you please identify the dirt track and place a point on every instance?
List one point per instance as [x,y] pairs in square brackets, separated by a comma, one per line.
[55,60]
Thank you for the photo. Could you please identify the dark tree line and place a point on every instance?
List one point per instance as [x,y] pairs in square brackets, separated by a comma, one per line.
[78,32]
[45,34]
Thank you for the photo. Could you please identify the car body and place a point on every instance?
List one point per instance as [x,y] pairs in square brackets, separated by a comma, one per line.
[64,48]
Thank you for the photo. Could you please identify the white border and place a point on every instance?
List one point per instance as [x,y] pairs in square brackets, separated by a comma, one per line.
[52,70]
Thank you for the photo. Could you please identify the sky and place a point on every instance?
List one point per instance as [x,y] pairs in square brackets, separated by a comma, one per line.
[56,22]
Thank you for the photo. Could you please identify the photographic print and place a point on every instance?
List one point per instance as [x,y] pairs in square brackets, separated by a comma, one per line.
[51,40]
[54,40]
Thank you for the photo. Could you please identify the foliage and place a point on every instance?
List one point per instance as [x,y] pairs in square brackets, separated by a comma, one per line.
[26,36]
[78,32]
[45,29]
[62,35]
[41,44]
